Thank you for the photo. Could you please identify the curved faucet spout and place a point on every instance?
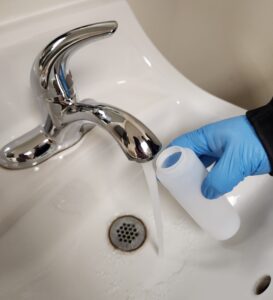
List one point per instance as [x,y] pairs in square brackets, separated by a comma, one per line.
[135,139]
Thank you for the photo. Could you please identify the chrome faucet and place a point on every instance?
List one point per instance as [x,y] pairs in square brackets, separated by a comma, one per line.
[67,119]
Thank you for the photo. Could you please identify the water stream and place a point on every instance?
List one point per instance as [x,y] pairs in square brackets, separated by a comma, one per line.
[153,188]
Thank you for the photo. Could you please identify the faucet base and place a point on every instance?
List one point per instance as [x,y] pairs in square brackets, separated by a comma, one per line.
[37,145]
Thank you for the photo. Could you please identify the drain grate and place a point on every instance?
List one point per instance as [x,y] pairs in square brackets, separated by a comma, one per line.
[127,233]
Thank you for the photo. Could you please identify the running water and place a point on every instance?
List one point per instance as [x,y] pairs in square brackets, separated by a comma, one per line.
[153,188]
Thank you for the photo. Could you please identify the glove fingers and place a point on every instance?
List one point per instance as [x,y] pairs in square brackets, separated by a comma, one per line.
[195,140]
[223,177]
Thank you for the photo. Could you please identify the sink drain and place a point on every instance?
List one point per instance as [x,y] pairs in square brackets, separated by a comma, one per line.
[127,233]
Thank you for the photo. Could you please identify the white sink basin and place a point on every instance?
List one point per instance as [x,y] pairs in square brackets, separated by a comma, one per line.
[54,218]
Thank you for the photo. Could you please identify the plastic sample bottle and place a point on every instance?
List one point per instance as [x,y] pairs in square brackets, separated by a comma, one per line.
[182,173]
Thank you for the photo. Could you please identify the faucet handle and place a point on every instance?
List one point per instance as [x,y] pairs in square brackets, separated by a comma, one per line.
[50,67]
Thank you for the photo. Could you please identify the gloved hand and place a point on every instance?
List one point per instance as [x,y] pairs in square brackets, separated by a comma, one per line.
[234,147]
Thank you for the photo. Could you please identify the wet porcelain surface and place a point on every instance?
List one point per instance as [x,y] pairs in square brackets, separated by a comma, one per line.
[54,218]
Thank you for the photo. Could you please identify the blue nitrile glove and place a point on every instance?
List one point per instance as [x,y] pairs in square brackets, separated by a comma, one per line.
[234,147]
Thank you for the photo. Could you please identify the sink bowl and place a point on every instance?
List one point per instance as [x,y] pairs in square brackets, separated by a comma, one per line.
[55,217]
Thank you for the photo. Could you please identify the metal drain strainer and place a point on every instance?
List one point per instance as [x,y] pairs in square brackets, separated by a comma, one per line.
[127,233]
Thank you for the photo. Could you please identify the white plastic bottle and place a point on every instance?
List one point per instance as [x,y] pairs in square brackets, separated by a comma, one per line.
[182,173]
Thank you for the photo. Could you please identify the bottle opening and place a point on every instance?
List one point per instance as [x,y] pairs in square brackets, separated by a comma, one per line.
[171,160]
